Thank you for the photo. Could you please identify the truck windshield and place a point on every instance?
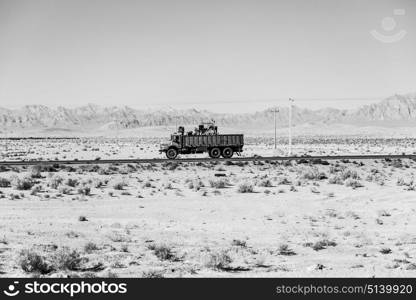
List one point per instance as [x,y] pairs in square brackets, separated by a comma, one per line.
[175,138]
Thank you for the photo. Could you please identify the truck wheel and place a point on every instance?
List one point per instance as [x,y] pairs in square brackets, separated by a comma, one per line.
[227,152]
[171,153]
[215,153]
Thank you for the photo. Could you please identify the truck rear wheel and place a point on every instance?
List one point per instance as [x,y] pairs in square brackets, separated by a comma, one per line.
[171,153]
[227,152]
[215,153]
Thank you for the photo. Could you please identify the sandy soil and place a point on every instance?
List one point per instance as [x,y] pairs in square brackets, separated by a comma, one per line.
[339,219]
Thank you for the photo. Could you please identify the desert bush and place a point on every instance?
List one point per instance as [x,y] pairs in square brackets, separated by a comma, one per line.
[284,249]
[32,262]
[63,189]
[348,173]
[385,250]
[219,184]
[342,174]
[219,260]
[335,179]
[68,259]
[322,244]
[35,171]
[353,183]
[4,240]
[312,174]
[117,237]
[173,166]
[105,171]
[283,181]
[162,251]
[196,185]
[90,247]
[266,183]
[55,181]
[239,243]
[14,196]
[169,186]
[72,182]
[97,183]
[153,274]
[124,248]
[22,183]
[118,183]
[4,169]
[147,184]
[335,169]
[245,188]
[400,181]
[84,190]
[36,189]
[410,184]
[82,218]
[4,182]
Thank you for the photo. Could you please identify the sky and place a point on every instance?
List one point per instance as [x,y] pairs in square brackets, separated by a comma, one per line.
[231,56]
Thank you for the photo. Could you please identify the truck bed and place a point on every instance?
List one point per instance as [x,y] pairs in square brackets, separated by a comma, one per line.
[219,140]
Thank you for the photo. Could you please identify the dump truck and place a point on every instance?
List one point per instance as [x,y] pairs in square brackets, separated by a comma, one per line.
[205,138]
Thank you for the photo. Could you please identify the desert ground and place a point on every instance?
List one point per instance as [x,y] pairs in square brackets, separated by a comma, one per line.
[212,219]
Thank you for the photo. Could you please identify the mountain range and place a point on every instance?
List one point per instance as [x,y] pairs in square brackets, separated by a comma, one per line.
[397,108]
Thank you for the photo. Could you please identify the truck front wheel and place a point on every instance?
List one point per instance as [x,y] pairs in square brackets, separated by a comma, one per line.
[227,152]
[214,153]
[171,153]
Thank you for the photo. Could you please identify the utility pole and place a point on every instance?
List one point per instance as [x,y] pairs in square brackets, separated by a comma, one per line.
[275,128]
[290,125]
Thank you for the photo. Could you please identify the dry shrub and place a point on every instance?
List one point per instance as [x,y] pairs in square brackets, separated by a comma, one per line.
[335,179]
[245,188]
[348,173]
[36,189]
[196,185]
[90,247]
[219,184]
[32,262]
[266,183]
[4,182]
[353,183]
[239,243]
[55,181]
[84,190]
[284,249]
[153,273]
[219,260]
[117,237]
[68,259]
[22,183]
[35,172]
[163,251]
[72,182]
[118,183]
[312,174]
[323,244]
[63,189]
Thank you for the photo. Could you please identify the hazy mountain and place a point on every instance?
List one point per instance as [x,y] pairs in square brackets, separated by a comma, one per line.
[395,108]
